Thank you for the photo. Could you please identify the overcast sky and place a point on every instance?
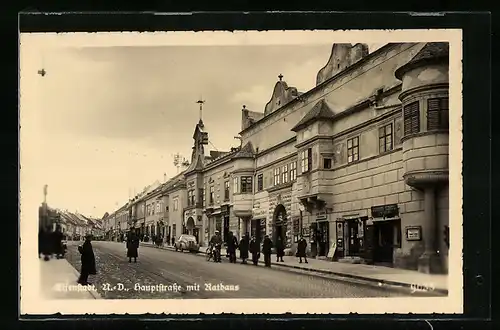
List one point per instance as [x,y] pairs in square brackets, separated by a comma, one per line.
[105,121]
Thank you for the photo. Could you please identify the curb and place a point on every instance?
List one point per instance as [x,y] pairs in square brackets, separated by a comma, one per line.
[326,272]
[93,293]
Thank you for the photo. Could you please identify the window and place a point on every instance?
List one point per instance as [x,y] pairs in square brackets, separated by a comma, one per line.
[276,176]
[203,198]
[211,195]
[385,138]
[437,114]
[191,197]
[327,163]
[246,184]
[158,207]
[235,185]
[306,160]
[176,204]
[260,182]
[284,174]
[226,190]
[153,208]
[353,149]
[293,171]
[411,114]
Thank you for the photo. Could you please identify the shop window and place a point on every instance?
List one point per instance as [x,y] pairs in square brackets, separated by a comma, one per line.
[385,138]
[411,114]
[246,184]
[353,149]
[293,171]
[437,114]
[284,174]
[327,163]
[260,182]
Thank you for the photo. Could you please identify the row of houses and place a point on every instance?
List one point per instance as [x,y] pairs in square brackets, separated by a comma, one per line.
[74,226]
[358,165]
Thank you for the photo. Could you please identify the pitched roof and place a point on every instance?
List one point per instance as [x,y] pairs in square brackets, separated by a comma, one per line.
[246,151]
[320,111]
[432,52]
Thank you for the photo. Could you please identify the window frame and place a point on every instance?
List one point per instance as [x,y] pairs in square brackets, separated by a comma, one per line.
[353,156]
[211,195]
[284,174]
[325,160]
[246,184]
[235,185]
[226,190]
[260,182]
[383,136]
[293,171]
[276,176]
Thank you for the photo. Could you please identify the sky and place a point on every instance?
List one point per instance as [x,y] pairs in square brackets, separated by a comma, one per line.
[106,120]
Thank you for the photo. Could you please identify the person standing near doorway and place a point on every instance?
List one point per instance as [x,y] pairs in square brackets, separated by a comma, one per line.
[280,249]
[88,261]
[266,250]
[232,245]
[301,249]
[244,242]
[132,246]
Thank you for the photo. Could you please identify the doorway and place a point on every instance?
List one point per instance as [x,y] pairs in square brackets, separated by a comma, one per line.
[196,234]
[279,224]
[383,232]
[226,228]
[353,237]
[323,238]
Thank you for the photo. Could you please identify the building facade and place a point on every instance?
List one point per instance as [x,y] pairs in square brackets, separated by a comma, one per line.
[357,165]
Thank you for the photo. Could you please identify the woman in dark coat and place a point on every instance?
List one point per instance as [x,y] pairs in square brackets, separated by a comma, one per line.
[244,243]
[132,246]
[88,261]
[254,250]
[266,250]
[280,249]
[232,245]
[301,249]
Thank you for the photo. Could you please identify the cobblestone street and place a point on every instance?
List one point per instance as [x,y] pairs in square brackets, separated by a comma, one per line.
[118,279]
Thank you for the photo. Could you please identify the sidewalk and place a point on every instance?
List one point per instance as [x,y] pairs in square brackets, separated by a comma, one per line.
[376,274]
[58,281]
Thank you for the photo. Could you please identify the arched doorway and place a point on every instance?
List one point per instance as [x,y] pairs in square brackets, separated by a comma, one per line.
[279,223]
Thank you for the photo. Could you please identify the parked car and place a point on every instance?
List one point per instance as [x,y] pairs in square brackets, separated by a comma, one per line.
[188,243]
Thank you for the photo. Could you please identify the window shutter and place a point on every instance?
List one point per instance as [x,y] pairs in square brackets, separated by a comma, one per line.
[433,109]
[411,118]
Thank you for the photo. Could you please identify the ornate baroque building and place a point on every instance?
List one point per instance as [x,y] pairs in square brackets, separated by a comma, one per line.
[358,165]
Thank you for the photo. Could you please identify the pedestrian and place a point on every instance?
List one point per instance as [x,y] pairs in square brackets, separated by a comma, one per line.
[88,261]
[301,249]
[232,245]
[215,245]
[57,238]
[244,244]
[173,240]
[132,246]
[280,249]
[255,250]
[267,245]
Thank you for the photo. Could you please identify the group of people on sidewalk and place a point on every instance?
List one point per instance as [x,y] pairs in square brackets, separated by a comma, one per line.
[50,243]
[251,245]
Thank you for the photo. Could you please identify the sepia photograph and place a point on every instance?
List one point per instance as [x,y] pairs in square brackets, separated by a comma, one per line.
[241,172]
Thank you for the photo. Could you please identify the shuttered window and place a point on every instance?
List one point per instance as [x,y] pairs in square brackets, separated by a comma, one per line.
[411,114]
[437,114]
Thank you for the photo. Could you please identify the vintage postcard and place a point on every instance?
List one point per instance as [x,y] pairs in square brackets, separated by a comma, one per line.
[241,172]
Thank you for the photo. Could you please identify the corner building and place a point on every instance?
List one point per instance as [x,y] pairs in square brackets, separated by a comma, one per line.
[358,165]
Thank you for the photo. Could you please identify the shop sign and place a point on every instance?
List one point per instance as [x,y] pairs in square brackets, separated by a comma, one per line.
[414,233]
[258,212]
[321,215]
[385,211]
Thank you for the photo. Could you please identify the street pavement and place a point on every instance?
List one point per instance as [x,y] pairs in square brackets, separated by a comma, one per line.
[164,274]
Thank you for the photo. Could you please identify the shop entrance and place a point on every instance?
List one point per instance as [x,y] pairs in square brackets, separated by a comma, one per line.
[226,228]
[384,235]
[279,220]
[323,238]
[353,237]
